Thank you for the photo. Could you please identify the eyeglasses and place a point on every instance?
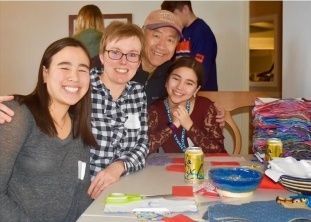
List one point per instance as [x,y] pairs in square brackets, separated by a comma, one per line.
[117,55]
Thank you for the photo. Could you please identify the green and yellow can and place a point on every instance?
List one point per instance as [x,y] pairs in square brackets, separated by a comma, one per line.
[274,148]
[194,165]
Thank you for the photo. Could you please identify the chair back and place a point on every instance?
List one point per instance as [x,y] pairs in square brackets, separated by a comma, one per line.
[231,101]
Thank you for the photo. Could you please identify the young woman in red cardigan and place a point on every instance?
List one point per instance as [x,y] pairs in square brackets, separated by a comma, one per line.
[184,119]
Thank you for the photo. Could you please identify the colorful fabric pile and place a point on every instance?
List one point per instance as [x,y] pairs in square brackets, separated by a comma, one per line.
[286,119]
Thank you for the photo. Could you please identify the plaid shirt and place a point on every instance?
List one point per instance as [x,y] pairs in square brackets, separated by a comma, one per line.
[120,126]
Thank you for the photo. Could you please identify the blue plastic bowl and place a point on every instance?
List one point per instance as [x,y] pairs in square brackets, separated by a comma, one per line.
[235,180]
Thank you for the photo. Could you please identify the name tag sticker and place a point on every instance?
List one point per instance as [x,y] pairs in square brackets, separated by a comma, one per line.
[81,169]
[132,121]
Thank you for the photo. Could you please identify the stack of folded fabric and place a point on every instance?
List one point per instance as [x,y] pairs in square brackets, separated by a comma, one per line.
[285,119]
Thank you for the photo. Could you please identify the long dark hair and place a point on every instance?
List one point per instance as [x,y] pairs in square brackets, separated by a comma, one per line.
[190,63]
[39,100]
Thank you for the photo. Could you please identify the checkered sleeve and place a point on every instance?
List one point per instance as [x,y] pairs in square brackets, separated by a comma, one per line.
[134,157]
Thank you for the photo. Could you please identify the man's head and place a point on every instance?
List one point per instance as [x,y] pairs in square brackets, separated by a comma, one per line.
[162,31]
[182,9]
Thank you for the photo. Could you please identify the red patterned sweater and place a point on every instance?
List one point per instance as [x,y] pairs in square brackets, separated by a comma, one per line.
[205,131]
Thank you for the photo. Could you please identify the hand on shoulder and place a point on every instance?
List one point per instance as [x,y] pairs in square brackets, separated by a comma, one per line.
[6,113]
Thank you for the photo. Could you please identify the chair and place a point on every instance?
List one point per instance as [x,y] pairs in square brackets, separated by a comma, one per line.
[231,101]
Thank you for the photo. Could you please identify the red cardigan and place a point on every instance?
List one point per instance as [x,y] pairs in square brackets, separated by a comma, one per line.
[205,131]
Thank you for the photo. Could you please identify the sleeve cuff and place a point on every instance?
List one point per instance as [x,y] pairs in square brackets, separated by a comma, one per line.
[125,168]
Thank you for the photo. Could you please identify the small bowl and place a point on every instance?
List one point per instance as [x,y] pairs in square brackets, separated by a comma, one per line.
[235,182]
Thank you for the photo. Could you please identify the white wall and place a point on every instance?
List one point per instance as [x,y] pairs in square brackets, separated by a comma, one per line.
[296,49]
[27,28]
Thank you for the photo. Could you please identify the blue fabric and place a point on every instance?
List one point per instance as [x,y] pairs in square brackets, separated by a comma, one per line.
[261,211]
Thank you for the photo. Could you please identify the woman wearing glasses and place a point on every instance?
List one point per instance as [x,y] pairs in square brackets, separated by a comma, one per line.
[119,108]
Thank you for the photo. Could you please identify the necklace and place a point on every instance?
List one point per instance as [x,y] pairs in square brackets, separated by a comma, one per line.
[60,126]
[181,143]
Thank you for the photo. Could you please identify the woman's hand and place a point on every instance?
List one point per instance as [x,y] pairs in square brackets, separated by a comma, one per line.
[105,178]
[181,114]
[5,113]
[220,117]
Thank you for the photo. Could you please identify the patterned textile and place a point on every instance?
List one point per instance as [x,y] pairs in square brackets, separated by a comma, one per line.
[205,131]
[260,211]
[286,119]
[120,126]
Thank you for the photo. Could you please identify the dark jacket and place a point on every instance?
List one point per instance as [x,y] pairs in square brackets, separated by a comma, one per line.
[154,83]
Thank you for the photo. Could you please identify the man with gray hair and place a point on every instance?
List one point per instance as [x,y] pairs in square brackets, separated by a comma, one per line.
[162,31]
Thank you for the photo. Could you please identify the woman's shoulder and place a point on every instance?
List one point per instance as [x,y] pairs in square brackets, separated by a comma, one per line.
[158,104]
[18,108]
[136,89]
[203,100]
[22,115]
[203,105]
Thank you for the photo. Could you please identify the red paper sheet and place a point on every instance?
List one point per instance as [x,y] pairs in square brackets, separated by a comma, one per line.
[228,163]
[182,191]
[178,160]
[267,183]
[216,154]
[182,160]
[176,168]
[178,218]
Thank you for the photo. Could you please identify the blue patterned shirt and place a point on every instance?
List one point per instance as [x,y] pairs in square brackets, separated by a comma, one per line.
[120,127]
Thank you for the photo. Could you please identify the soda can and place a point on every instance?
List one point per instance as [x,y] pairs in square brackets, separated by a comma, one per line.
[194,161]
[274,148]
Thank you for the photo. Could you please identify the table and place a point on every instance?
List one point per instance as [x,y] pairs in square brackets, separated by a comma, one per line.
[156,180]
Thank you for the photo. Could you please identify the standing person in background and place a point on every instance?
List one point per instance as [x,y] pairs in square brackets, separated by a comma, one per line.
[198,41]
[45,150]
[89,28]
[183,116]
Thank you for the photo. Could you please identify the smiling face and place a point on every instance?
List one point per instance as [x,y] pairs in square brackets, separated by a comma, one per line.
[181,85]
[118,72]
[160,46]
[67,77]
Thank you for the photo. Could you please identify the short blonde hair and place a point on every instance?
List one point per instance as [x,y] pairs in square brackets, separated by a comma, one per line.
[117,30]
[89,16]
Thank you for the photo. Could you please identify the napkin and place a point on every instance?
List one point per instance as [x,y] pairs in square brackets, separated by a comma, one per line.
[288,166]
[260,211]
[152,204]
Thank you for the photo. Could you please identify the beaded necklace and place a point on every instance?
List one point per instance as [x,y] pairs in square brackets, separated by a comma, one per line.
[181,142]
